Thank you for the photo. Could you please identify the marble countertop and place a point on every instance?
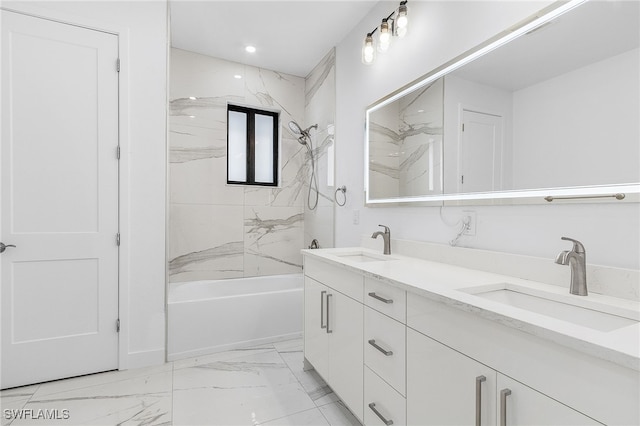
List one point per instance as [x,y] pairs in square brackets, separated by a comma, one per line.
[454,285]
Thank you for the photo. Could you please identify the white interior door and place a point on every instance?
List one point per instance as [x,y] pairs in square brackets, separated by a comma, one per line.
[480,152]
[59,200]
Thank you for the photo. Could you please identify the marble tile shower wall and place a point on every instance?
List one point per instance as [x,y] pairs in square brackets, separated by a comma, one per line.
[320,101]
[216,230]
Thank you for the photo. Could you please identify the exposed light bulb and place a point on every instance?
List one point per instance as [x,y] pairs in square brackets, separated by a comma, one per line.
[368,50]
[402,20]
[384,40]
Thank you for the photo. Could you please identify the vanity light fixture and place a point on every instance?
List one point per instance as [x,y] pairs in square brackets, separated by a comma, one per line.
[393,25]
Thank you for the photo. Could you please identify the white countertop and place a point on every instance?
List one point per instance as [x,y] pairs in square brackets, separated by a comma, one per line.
[443,282]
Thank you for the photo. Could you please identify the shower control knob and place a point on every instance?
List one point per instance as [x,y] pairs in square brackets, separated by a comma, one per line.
[3,247]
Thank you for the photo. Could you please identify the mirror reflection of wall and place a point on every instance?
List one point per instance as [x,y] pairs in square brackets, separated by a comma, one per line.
[405,145]
[554,109]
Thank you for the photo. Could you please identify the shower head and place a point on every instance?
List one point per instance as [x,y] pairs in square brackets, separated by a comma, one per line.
[296,129]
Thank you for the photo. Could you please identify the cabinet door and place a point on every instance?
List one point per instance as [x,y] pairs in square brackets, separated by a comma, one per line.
[441,385]
[346,322]
[316,342]
[526,406]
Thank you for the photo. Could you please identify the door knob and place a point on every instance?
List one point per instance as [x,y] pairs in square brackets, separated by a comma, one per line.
[3,247]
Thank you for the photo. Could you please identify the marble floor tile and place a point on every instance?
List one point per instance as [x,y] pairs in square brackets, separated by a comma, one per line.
[311,417]
[260,385]
[246,390]
[312,383]
[338,415]
[143,400]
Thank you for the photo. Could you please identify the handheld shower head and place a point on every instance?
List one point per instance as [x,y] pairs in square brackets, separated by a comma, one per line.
[295,128]
[304,134]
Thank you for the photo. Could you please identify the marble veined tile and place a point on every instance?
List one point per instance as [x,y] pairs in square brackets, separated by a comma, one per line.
[198,167]
[311,417]
[222,356]
[206,241]
[247,390]
[313,384]
[144,400]
[286,346]
[273,239]
[276,91]
[13,400]
[337,414]
[196,75]
[320,76]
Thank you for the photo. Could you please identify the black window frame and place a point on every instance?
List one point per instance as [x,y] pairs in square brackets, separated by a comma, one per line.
[251,136]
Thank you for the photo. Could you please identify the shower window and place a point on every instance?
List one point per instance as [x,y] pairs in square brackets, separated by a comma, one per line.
[252,146]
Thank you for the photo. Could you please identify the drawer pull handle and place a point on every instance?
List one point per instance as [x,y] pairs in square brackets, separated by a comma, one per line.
[504,393]
[479,381]
[382,299]
[373,343]
[380,416]
[322,324]
[328,329]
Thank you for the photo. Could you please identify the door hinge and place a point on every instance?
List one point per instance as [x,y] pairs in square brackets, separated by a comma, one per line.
[462,179]
[118,239]
[118,65]
[118,325]
[463,127]
[118,152]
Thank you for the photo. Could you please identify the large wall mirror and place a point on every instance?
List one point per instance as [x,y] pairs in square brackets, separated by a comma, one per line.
[547,111]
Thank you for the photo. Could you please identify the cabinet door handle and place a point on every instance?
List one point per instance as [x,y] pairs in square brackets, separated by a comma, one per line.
[322,324]
[382,299]
[479,381]
[380,416]
[328,329]
[373,343]
[504,393]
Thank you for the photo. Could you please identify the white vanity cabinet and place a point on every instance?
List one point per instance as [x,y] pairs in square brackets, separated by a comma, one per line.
[445,387]
[333,330]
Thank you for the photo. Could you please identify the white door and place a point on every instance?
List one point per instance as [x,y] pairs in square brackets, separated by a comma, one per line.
[480,152]
[59,200]
[346,327]
[445,387]
[526,406]
[316,339]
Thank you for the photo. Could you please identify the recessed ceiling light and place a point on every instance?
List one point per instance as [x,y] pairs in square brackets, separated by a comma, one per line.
[250,49]
[193,98]
[238,76]
[192,116]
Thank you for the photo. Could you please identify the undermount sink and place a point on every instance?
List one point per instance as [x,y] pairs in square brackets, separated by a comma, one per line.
[574,309]
[364,257]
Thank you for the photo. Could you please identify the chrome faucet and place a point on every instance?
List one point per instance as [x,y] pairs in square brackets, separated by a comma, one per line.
[576,259]
[386,236]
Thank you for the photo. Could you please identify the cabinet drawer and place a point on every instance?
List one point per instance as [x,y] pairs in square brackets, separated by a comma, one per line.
[384,348]
[387,299]
[339,279]
[381,401]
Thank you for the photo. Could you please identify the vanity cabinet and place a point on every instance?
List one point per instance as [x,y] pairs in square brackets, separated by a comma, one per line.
[333,332]
[447,387]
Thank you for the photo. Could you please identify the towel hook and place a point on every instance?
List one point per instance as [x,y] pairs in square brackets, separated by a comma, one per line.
[342,189]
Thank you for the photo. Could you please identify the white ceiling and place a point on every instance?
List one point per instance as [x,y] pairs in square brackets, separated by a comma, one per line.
[290,36]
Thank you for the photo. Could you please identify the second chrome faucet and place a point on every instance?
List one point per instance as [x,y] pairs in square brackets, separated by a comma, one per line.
[576,259]
[386,236]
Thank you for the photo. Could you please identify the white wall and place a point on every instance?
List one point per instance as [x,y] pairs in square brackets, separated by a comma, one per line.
[589,115]
[143,83]
[440,31]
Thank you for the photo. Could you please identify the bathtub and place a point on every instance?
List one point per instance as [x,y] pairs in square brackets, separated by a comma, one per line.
[212,316]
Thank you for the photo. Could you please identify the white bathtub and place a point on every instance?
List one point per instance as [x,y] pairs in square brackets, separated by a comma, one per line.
[213,316]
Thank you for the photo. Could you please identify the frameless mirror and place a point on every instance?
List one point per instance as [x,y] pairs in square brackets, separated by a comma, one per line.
[548,109]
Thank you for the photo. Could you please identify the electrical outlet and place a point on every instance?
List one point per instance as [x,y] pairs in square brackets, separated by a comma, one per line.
[470,217]
[356,217]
